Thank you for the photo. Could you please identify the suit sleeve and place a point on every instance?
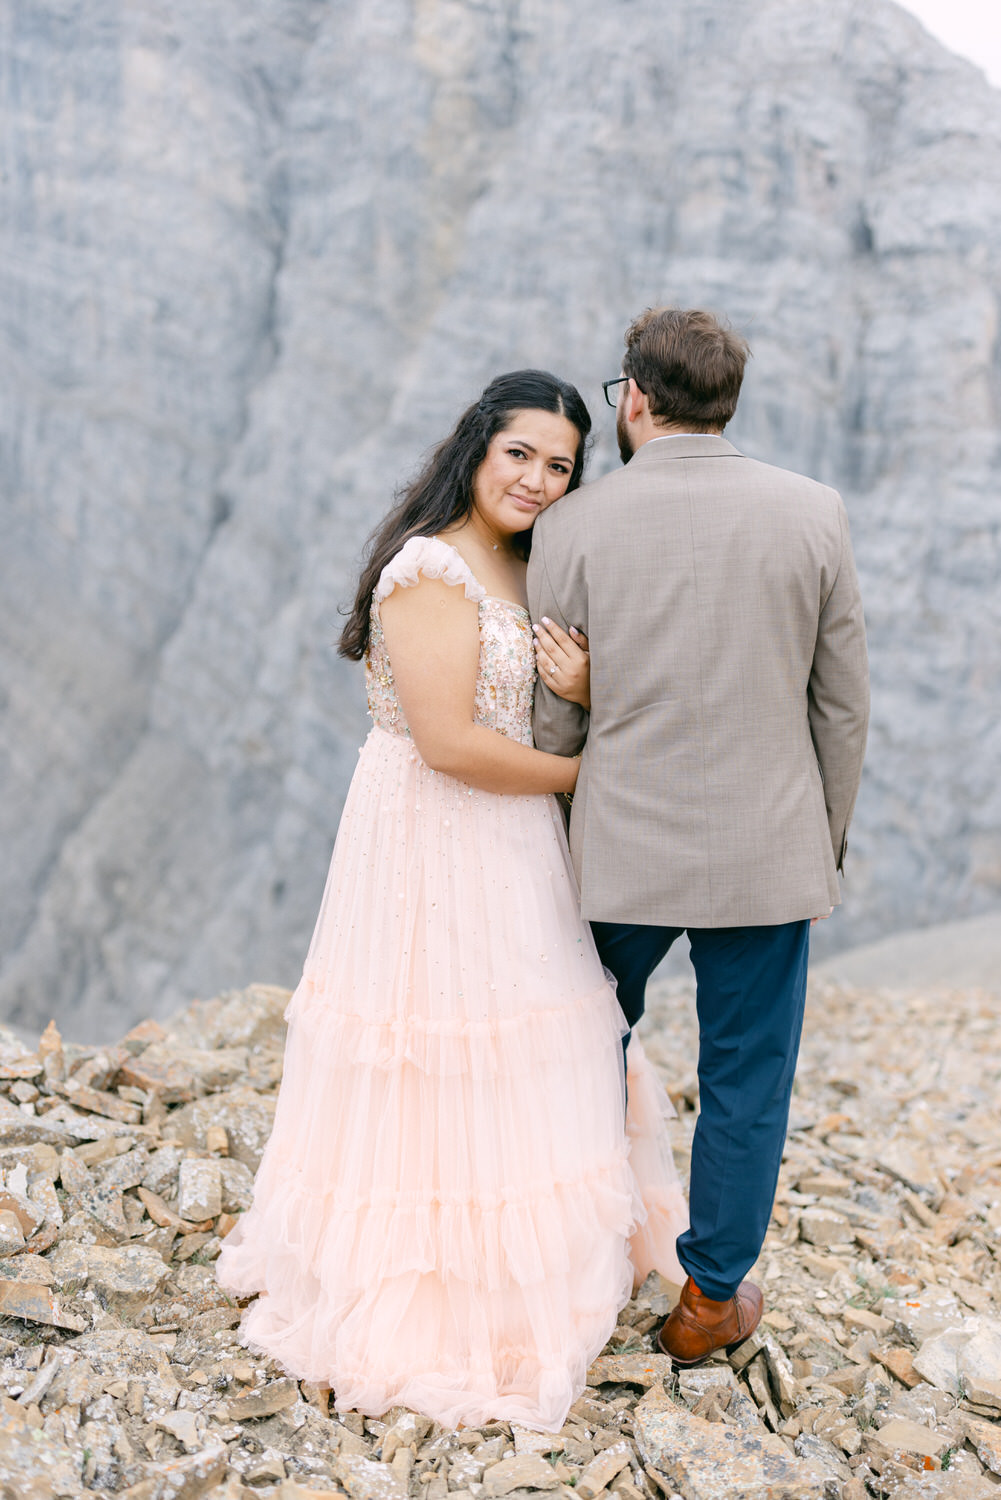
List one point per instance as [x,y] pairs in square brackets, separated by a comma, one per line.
[557,726]
[838,694]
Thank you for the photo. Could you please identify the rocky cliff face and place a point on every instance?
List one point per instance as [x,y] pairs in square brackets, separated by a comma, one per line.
[257,255]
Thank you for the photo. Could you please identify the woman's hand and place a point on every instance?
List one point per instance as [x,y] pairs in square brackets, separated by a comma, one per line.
[432,636]
[564,662]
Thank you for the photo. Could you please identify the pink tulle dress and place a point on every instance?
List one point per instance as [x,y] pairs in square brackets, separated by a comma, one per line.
[450,1213]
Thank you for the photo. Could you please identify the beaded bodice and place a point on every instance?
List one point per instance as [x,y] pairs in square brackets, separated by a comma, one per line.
[505,679]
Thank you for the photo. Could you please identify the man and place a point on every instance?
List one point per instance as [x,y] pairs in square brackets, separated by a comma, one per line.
[721,759]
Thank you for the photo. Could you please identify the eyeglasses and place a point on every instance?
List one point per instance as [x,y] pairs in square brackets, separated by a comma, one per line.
[606,386]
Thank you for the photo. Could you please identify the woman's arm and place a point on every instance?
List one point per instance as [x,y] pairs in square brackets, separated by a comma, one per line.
[432,636]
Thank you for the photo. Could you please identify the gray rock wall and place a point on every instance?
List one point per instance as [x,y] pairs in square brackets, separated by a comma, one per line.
[255,256]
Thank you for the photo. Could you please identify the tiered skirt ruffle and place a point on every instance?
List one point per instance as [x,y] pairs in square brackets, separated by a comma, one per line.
[442,1218]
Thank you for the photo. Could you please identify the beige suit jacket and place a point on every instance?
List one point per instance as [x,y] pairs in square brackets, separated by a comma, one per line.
[729,686]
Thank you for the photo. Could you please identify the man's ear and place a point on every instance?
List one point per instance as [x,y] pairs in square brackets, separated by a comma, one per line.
[635,401]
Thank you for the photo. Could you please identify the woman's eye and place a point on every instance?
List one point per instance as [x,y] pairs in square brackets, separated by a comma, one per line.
[561,468]
[517,453]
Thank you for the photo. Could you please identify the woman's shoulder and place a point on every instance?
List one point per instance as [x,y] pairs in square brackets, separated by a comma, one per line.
[428,557]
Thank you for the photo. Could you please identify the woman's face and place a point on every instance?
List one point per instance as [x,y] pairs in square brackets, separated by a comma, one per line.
[527,466]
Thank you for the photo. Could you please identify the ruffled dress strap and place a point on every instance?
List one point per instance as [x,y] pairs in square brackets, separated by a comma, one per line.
[430,556]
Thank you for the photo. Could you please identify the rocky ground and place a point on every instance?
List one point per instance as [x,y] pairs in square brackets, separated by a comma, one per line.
[876,1371]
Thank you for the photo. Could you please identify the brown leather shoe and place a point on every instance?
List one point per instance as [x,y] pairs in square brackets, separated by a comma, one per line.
[698,1326]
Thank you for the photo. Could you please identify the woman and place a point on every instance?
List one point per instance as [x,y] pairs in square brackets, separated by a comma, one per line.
[442,1217]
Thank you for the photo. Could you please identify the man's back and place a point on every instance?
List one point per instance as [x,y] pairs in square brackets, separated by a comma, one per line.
[728,684]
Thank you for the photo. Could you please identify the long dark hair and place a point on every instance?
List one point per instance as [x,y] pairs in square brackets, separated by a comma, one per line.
[442,493]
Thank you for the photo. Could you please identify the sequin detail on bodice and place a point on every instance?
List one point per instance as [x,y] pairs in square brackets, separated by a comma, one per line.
[505,680]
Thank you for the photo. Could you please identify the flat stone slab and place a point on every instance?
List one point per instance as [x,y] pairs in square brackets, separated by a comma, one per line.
[253,1017]
[264,1401]
[366,1480]
[184,1426]
[36,1304]
[903,1436]
[246,1116]
[186,1478]
[27,1267]
[161,1213]
[602,1469]
[172,1081]
[11,1234]
[199,1189]
[214,1069]
[17,1129]
[526,1471]
[981,1390]
[953,1360]
[822,1226]
[127,1279]
[237,1185]
[710,1461]
[903,1160]
[644,1370]
[986,1438]
[899,1362]
[28,1214]
[99,1102]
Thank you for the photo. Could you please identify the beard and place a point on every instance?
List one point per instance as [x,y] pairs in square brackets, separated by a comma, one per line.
[626,449]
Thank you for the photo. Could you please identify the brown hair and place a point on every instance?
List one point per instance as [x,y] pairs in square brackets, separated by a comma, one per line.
[687,364]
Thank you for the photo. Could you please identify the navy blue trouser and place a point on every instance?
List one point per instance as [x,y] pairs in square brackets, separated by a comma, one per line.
[751,991]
